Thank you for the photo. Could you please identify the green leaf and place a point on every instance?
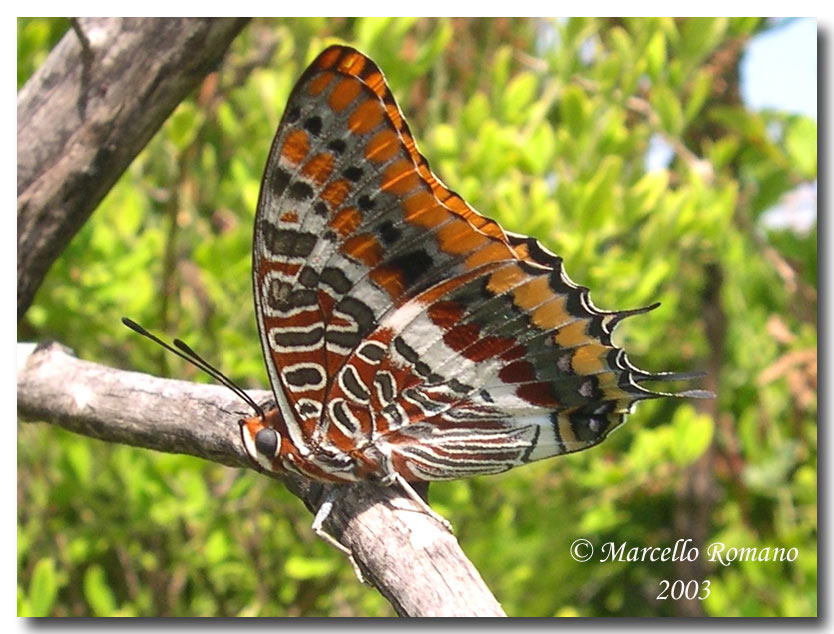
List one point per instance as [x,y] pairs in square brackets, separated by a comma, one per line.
[183,125]
[650,449]
[539,150]
[597,199]
[574,109]
[518,96]
[97,593]
[801,144]
[80,460]
[476,112]
[693,434]
[298,567]
[216,548]
[749,124]
[43,589]
[656,55]
[444,139]
[668,108]
[500,73]
[699,36]
[623,47]
[723,151]
[371,30]
[698,93]
[744,26]
[645,194]
[602,517]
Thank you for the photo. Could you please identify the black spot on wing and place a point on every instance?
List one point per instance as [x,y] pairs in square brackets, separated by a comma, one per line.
[313,125]
[385,387]
[282,297]
[298,338]
[341,415]
[302,377]
[336,280]
[389,233]
[337,145]
[373,352]
[362,317]
[353,173]
[353,385]
[300,191]
[412,265]
[308,277]
[277,181]
[287,241]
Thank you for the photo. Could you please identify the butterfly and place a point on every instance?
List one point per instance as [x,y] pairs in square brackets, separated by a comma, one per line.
[407,337]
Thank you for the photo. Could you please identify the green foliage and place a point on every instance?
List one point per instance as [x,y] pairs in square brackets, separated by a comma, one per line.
[42,590]
[551,143]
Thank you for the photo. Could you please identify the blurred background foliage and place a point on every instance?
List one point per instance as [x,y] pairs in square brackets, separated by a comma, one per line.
[547,126]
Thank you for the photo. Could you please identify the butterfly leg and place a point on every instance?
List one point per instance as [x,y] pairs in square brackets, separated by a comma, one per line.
[318,529]
[422,504]
[391,476]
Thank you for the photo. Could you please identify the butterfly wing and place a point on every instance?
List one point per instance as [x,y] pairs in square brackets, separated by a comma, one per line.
[396,318]
[341,233]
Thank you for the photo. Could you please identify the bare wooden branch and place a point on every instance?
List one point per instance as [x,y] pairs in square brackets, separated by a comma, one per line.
[415,563]
[104,90]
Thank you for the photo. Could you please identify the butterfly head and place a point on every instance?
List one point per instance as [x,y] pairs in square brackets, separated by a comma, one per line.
[264,438]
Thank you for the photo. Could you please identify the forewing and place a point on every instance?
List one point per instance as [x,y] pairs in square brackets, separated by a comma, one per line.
[350,223]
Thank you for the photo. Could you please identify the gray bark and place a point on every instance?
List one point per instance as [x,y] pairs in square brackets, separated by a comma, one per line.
[414,562]
[101,94]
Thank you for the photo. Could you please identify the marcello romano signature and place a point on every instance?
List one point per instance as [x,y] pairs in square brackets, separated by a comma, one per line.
[683,550]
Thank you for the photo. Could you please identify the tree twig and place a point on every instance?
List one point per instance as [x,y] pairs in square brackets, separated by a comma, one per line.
[102,92]
[405,554]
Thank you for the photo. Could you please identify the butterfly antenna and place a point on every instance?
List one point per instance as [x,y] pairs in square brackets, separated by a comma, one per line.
[193,356]
[184,351]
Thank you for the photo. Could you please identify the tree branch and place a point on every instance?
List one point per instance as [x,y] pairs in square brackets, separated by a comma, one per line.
[405,554]
[102,93]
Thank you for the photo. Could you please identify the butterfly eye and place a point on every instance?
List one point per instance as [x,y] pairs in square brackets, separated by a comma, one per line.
[266,441]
